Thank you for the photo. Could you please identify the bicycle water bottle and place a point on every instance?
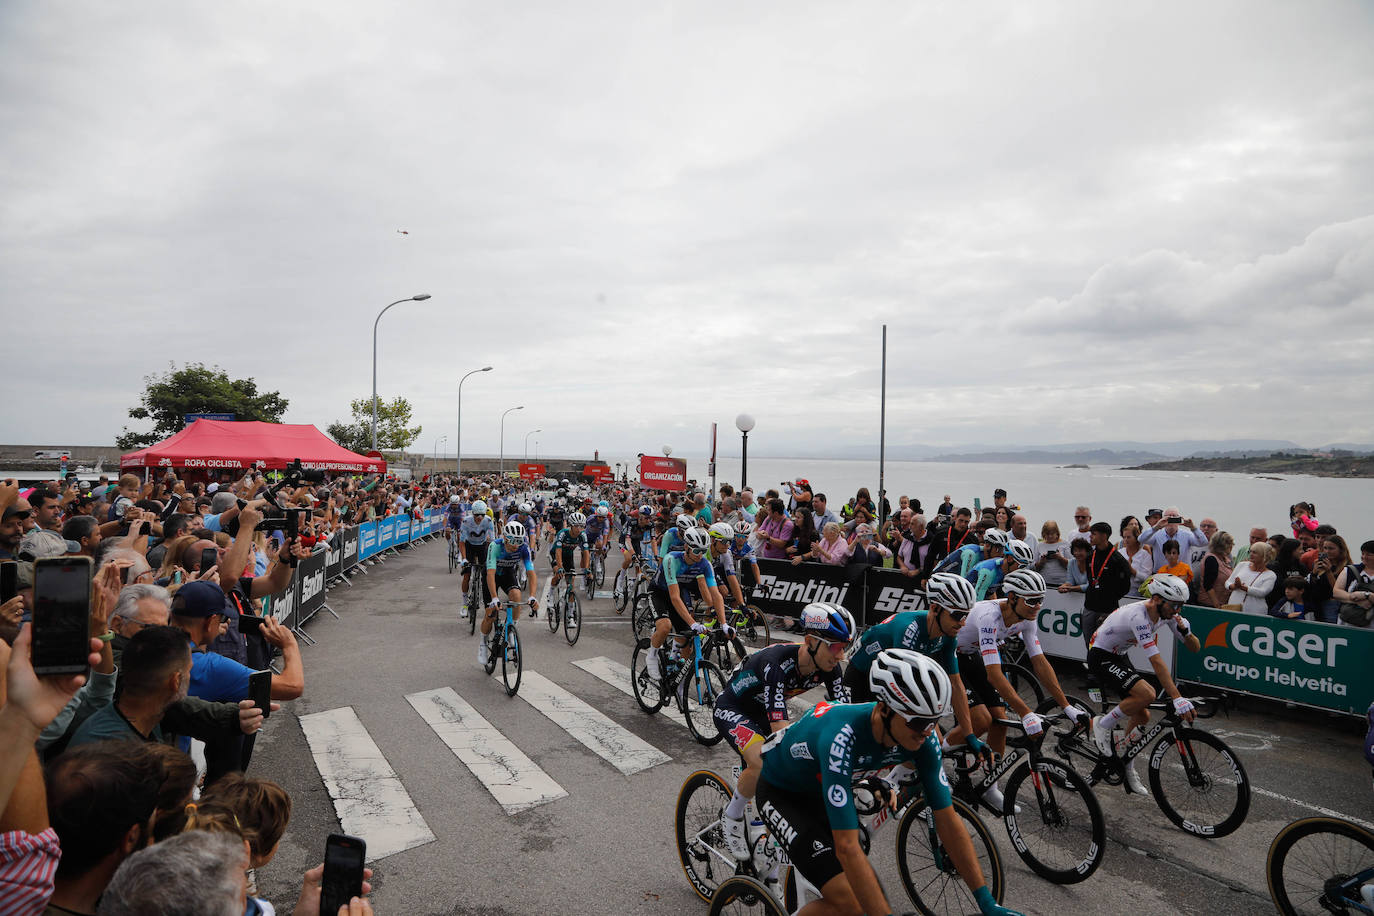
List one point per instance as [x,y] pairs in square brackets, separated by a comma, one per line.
[759,845]
[1367,895]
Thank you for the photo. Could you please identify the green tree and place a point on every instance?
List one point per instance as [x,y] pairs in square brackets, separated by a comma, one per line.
[393,429]
[193,388]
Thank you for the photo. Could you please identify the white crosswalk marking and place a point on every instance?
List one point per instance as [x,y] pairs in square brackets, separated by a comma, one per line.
[512,778]
[368,796]
[618,676]
[622,749]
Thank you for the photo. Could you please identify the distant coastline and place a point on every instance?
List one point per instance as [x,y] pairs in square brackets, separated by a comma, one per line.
[1352,466]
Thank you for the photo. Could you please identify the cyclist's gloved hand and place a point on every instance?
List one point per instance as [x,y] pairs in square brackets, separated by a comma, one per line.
[729,632]
[1183,706]
[989,907]
[495,602]
[979,747]
[1033,724]
[1184,628]
[534,602]
[698,628]
[1074,713]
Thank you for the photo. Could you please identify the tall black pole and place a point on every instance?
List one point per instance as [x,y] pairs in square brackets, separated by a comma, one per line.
[744,462]
[882,438]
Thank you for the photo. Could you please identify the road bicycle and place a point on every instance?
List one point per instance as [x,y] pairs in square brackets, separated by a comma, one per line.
[597,569]
[694,681]
[631,580]
[1321,865]
[1195,778]
[473,601]
[503,644]
[565,606]
[768,882]
[1052,816]
[455,559]
[1016,668]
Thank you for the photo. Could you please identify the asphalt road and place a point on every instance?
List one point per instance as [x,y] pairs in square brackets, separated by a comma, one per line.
[607,846]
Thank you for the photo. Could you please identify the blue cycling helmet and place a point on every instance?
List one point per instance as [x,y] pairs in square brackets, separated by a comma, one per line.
[828,621]
[605,503]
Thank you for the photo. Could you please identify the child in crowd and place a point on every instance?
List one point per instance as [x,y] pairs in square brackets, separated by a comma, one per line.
[1290,608]
[255,810]
[1172,565]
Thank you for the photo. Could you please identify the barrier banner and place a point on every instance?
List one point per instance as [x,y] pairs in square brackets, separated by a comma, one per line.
[436,520]
[532,471]
[888,591]
[350,548]
[785,589]
[367,540]
[1298,661]
[310,576]
[663,473]
[386,533]
[1060,627]
[402,530]
[333,556]
[283,603]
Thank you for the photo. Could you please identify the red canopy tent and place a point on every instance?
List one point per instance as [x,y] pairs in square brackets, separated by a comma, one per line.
[215,445]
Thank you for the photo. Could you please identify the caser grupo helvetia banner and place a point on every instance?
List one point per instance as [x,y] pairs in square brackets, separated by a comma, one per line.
[1318,664]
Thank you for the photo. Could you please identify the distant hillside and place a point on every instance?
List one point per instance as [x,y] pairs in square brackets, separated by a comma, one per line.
[1345,466]
[1093,456]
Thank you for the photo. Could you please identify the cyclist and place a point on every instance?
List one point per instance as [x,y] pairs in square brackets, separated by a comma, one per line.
[806,789]
[987,576]
[508,563]
[453,517]
[723,563]
[638,528]
[743,552]
[556,517]
[598,527]
[566,547]
[932,633]
[980,662]
[476,533]
[754,703]
[680,574]
[988,542]
[672,538]
[1135,624]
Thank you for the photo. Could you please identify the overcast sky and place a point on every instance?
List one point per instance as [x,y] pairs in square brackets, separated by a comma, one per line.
[1079,221]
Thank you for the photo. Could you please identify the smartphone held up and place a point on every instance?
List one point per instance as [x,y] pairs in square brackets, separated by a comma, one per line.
[61,615]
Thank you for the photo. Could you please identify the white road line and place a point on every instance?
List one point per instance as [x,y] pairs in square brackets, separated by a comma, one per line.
[513,779]
[622,749]
[368,796]
[1317,808]
[618,676]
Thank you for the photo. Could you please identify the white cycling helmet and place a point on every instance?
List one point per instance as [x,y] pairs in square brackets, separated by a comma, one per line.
[697,539]
[646,510]
[1170,588]
[995,536]
[721,531]
[743,529]
[830,622]
[454,500]
[514,532]
[525,508]
[686,522]
[479,508]
[577,520]
[1021,552]
[950,591]
[602,511]
[1024,582]
[913,685]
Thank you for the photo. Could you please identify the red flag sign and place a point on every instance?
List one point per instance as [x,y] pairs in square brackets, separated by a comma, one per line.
[663,473]
[532,472]
[598,472]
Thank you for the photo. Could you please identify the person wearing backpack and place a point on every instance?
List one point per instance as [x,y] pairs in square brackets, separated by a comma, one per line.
[1354,589]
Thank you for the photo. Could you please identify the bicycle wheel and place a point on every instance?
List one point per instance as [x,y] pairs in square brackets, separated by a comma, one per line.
[474,606]
[1026,684]
[620,590]
[647,689]
[553,611]
[928,874]
[512,661]
[698,692]
[1316,865]
[452,559]
[1060,832]
[572,620]
[600,571]
[493,648]
[743,894]
[642,617]
[706,860]
[752,627]
[1199,783]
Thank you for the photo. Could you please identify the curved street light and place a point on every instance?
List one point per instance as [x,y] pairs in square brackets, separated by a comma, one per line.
[527,442]
[437,440]
[459,444]
[419,297]
[502,465]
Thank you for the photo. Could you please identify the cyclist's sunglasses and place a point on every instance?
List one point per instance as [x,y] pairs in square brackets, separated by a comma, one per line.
[1032,602]
[836,647]
[954,613]
[1173,606]
[922,726]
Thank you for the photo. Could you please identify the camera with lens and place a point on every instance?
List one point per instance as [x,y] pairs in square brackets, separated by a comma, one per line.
[296,475]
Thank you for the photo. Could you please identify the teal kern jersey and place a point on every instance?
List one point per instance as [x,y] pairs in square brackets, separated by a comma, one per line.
[907,630]
[830,744]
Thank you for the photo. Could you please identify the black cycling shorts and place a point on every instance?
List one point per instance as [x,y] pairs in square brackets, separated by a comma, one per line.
[742,728]
[975,677]
[857,682]
[507,579]
[798,823]
[1113,670]
[663,608]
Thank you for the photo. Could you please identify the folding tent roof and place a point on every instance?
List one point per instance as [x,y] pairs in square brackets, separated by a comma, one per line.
[225,445]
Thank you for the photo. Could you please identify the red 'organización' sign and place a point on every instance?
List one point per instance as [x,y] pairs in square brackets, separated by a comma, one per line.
[663,473]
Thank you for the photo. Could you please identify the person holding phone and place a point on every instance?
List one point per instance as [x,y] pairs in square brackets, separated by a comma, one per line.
[197,609]
[1172,526]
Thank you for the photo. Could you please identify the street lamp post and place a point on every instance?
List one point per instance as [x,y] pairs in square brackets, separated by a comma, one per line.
[421,297]
[527,442]
[744,423]
[459,444]
[436,451]
[502,459]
